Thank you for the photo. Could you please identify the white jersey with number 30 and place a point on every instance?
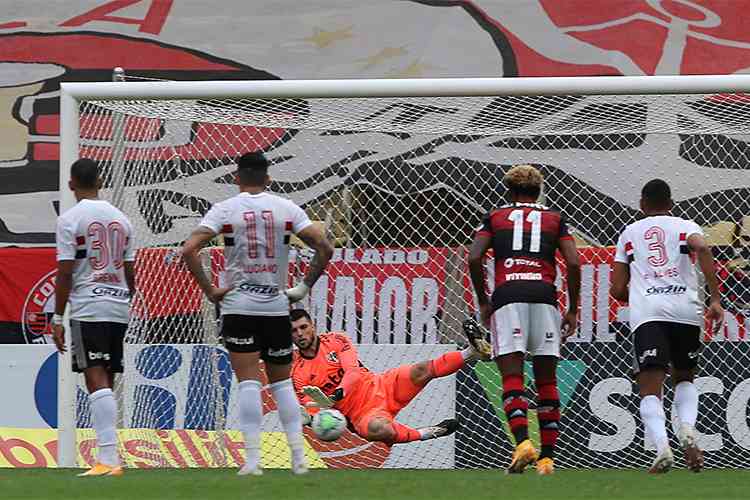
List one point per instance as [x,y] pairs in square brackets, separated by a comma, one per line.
[99,238]
[663,281]
[256,229]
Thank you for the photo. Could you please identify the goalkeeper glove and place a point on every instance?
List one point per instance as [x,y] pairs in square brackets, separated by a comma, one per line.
[318,397]
[297,293]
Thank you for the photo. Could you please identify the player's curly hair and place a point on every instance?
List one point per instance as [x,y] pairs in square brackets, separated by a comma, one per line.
[524,180]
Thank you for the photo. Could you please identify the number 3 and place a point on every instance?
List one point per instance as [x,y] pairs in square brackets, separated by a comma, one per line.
[655,236]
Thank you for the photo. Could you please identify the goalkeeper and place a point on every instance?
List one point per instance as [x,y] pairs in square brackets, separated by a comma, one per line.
[326,372]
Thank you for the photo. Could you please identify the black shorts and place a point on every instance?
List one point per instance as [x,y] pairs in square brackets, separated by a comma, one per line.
[661,343]
[97,343]
[271,335]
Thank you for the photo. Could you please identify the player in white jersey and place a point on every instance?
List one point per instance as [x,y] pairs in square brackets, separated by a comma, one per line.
[654,272]
[257,226]
[95,259]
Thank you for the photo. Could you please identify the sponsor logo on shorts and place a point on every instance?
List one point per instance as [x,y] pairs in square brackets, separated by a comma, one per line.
[523,276]
[93,356]
[516,332]
[666,290]
[277,353]
[107,291]
[510,262]
[693,355]
[648,353]
[549,336]
[254,289]
[239,341]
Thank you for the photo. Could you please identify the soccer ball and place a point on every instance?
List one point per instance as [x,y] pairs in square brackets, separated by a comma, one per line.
[328,424]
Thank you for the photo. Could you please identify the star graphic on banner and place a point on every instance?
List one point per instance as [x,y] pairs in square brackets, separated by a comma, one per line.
[382,56]
[414,69]
[323,38]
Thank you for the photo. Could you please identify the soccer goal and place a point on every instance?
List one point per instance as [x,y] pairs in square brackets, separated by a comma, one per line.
[401,172]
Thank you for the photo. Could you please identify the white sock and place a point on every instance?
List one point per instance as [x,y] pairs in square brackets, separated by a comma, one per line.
[686,402]
[289,414]
[103,419]
[467,353]
[251,418]
[654,421]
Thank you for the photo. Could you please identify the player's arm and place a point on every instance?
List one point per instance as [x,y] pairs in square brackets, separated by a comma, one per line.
[65,240]
[313,236]
[63,286]
[129,268]
[620,279]
[618,289]
[349,361]
[190,254]
[129,262]
[479,246]
[573,268]
[307,407]
[698,244]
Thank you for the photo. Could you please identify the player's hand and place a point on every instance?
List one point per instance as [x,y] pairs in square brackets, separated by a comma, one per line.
[485,314]
[569,324]
[297,293]
[318,396]
[715,313]
[58,337]
[216,294]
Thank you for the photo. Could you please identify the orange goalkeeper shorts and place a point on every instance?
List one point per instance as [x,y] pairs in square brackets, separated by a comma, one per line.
[391,391]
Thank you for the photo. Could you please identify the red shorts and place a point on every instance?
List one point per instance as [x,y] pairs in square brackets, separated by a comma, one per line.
[388,394]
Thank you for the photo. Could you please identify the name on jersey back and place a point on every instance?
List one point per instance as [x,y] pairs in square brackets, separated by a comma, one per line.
[260,268]
[670,272]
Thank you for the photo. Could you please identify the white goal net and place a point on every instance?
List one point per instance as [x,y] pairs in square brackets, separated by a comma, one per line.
[400,184]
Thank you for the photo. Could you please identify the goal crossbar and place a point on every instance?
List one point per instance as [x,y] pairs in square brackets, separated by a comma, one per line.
[428,87]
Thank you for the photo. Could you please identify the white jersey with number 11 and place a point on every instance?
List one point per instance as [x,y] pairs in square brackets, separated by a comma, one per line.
[663,281]
[256,229]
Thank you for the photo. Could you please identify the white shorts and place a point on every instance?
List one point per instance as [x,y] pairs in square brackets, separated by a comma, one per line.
[522,327]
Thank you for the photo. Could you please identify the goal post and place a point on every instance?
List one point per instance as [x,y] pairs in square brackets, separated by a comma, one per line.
[402,171]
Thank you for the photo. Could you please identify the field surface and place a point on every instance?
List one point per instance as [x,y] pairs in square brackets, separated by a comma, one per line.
[375,484]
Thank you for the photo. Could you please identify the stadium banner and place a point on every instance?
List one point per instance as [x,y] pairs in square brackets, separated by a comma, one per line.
[171,406]
[20,447]
[28,392]
[599,402]
[376,295]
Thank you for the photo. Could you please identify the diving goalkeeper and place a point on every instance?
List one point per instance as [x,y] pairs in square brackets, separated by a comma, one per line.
[326,372]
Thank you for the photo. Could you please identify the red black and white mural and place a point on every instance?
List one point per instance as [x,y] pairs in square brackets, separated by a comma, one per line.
[45,43]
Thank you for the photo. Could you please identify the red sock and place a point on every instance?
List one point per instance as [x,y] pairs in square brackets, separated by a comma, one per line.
[516,404]
[448,363]
[405,434]
[548,413]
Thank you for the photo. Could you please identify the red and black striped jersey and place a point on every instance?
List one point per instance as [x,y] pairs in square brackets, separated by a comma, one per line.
[525,238]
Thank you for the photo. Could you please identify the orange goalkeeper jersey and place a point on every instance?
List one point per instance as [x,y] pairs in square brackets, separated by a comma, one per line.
[335,365]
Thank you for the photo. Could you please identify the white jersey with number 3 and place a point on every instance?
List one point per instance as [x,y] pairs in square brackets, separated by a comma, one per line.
[99,238]
[663,281]
[256,229]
